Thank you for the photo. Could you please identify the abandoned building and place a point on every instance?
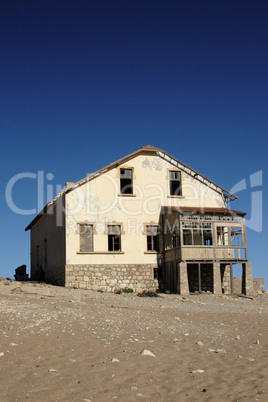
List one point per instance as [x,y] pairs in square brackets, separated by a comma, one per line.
[146,221]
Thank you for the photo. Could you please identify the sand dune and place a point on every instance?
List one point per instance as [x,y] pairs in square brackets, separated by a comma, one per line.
[62,344]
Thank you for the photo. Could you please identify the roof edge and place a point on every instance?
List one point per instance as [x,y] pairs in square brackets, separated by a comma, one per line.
[144,149]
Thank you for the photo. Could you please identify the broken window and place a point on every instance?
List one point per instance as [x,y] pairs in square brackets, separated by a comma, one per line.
[126,181]
[152,238]
[172,237]
[222,236]
[197,233]
[236,236]
[86,237]
[114,238]
[174,182]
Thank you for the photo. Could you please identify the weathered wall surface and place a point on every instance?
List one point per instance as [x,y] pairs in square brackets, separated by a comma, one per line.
[99,202]
[48,246]
[111,278]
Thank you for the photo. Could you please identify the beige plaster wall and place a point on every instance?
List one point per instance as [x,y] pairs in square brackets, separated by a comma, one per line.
[99,202]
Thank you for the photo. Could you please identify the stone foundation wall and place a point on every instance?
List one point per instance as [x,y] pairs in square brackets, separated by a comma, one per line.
[111,277]
[258,285]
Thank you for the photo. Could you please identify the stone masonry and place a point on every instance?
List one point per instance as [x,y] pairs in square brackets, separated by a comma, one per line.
[111,277]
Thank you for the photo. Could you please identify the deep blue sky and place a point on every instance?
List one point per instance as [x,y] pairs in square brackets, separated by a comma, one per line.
[84,83]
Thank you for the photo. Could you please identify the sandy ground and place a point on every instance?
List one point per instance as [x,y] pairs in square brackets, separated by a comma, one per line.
[62,344]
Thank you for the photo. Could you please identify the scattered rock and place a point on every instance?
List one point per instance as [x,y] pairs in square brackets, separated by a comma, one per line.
[199,343]
[146,352]
[2,354]
[133,388]
[114,360]
[220,351]
[52,370]
[197,371]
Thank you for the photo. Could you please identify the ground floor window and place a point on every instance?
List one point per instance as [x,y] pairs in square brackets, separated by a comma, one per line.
[86,237]
[114,238]
[152,237]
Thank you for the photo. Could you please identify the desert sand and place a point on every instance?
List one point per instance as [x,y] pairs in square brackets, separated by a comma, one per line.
[61,344]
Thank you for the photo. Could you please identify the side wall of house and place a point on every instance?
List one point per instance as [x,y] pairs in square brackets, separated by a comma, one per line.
[98,202]
[48,246]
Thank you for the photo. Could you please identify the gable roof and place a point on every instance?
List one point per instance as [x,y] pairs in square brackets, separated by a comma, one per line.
[145,149]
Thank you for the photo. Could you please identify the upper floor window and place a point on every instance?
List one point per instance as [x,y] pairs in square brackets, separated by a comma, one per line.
[222,236]
[126,181]
[175,182]
[114,238]
[236,236]
[86,237]
[152,238]
[197,233]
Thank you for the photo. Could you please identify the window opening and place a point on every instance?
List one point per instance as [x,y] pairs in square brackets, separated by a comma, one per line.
[222,236]
[114,238]
[86,237]
[197,233]
[174,182]
[126,181]
[172,238]
[152,238]
[236,236]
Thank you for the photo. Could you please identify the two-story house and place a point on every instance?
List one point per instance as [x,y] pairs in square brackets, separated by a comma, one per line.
[146,221]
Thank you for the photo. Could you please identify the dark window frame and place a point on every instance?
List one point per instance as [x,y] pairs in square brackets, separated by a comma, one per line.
[175,186]
[126,181]
[114,238]
[152,238]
